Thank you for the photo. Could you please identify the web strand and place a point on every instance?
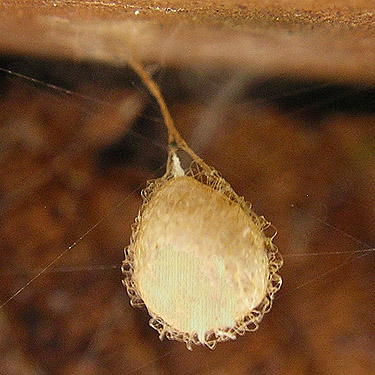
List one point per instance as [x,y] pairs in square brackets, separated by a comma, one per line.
[349,260]
[109,267]
[57,88]
[360,251]
[72,246]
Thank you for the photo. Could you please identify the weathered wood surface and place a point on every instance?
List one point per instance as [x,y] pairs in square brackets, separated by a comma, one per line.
[303,38]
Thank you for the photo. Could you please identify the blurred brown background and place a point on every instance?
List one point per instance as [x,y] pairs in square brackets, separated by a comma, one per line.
[278,96]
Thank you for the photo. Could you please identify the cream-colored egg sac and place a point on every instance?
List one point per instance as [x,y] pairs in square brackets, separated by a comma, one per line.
[200,261]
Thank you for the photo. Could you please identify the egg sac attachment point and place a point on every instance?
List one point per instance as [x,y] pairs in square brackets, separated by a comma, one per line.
[199,258]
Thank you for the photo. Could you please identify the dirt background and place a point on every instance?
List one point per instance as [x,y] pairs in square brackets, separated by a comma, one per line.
[283,109]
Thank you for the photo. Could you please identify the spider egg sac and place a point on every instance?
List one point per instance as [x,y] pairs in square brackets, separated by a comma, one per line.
[200,262]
